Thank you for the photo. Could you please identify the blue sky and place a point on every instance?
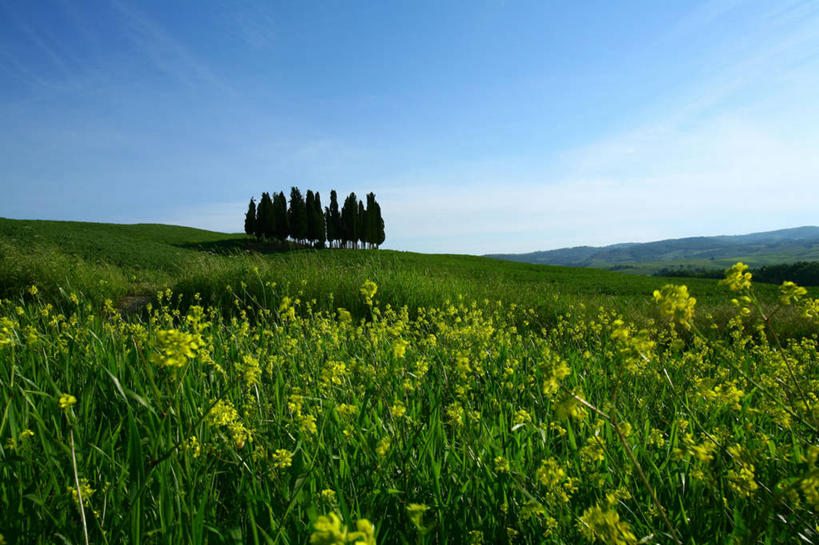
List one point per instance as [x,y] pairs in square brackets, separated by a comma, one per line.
[482,126]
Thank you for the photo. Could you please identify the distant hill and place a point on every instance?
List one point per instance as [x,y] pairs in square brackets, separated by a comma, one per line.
[755,249]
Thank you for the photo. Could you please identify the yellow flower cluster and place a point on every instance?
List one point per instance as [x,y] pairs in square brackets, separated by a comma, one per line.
[637,350]
[368,290]
[250,370]
[282,458]
[85,490]
[383,447]
[809,483]
[329,530]
[224,415]
[502,465]
[676,304]
[416,513]
[741,477]
[7,334]
[67,401]
[736,278]
[791,293]
[605,526]
[175,348]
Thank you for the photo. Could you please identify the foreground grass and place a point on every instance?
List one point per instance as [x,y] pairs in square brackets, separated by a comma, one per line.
[462,422]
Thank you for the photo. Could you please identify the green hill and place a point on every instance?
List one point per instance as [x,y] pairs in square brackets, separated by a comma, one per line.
[719,252]
[127,262]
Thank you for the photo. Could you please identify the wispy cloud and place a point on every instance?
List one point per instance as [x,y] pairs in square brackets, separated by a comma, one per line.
[254,23]
[167,54]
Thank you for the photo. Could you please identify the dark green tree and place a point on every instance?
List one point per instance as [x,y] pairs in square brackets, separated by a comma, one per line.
[349,221]
[380,235]
[281,227]
[310,202]
[250,218]
[264,217]
[329,226]
[361,230]
[297,215]
[372,220]
[335,229]
[318,221]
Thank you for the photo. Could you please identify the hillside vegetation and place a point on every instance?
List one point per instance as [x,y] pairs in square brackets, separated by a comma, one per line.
[719,252]
[804,273]
[129,264]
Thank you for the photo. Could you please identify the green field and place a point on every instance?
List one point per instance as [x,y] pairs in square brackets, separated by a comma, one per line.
[126,263]
[162,384]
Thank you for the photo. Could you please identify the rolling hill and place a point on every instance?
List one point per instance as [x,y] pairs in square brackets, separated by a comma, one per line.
[755,249]
[133,262]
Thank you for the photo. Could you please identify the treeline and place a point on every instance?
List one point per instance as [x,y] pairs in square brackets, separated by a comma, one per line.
[804,273]
[305,223]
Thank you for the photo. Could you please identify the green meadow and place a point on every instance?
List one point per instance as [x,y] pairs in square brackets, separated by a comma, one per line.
[163,384]
[130,263]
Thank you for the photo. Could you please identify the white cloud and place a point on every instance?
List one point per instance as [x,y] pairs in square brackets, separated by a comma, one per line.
[721,177]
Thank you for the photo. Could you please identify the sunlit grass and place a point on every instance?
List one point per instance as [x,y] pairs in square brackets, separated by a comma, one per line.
[247,417]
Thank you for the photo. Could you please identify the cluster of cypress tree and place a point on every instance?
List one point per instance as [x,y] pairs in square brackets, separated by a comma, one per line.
[305,223]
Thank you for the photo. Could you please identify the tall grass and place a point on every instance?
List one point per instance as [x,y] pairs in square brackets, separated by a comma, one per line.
[461,422]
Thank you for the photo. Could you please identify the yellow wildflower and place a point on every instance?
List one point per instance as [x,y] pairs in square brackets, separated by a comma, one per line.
[85,489]
[399,348]
[328,495]
[67,401]
[790,292]
[501,464]
[328,530]
[175,347]
[7,336]
[605,526]
[416,513]
[676,304]
[736,278]
[398,410]
[383,447]
[368,290]
[282,459]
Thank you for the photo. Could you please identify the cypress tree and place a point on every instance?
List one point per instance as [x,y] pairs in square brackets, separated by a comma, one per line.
[318,221]
[274,216]
[372,220]
[297,215]
[311,219]
[250,218]
[281,227]
[329,225]
[258,228]
[264,217]
[334,228]
[361,230]
[380,236]
[349,219]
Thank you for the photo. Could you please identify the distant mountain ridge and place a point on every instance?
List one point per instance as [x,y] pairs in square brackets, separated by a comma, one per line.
[755,249]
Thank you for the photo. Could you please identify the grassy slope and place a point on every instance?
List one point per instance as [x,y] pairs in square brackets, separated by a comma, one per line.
[118,261]
[140,246]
